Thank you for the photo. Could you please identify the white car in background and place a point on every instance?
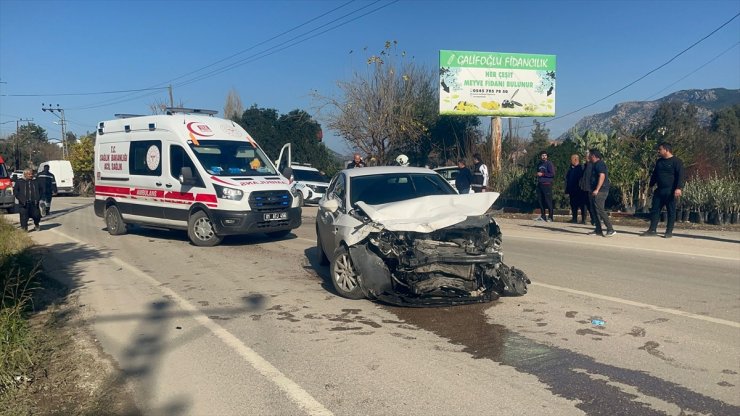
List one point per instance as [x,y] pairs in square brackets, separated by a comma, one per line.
[450,173]
[310,182]
[404,236]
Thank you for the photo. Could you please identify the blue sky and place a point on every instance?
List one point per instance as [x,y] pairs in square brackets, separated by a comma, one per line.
[73,47]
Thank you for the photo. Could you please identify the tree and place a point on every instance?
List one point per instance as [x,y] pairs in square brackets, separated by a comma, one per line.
[726,125]
[273,130]
[82,158]
[233,108]
[540,138]
[386,109]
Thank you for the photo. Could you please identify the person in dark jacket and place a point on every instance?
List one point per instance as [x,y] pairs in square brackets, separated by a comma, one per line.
[464,178]
[599,191]
[668,175]
[26,191]
[545,178]
[47,186]
[578,198]
[356,162]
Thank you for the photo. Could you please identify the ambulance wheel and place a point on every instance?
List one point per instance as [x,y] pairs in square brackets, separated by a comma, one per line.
[201,232]
[114,221]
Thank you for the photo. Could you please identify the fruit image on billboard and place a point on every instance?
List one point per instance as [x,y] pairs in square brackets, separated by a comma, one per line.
[496,84]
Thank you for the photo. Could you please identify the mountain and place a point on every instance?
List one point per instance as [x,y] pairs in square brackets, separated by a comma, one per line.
[636,115]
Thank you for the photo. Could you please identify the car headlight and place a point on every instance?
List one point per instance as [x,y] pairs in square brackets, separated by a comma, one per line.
[228,193]
[313,187]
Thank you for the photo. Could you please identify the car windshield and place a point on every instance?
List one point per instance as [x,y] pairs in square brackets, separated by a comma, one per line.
[308,175]
[232,158]
[393,187]
[3,171]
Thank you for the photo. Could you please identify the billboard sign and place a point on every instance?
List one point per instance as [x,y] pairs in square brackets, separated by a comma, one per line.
[496,84]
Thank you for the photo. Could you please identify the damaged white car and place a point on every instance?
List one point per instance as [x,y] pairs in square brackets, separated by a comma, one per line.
[404,236]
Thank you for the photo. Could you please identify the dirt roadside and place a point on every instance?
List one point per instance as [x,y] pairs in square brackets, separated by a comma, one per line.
[71,375]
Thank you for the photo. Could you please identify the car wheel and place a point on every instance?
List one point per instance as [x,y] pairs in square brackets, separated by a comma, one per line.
[114,221]
[201,232]
[323,260]
[278,234]
[344,277]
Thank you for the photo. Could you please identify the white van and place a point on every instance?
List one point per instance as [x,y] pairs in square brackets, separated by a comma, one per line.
[62,170]
[189,170]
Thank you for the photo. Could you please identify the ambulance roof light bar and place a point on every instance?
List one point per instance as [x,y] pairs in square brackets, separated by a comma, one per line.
[181,110]
[124,115]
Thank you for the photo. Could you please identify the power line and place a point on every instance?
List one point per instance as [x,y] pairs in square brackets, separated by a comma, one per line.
[251,59]
[695,71]
[277,48]
[81,93]
[644,76]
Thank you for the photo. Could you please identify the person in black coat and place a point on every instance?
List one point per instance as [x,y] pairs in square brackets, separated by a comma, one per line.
[47,186]
[578,197]
[668,175]
[464,178]
[27,193]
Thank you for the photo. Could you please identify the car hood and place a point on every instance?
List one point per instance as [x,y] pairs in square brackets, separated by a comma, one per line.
[429,213]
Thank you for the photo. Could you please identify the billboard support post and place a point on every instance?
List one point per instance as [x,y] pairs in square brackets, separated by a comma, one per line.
[496,144]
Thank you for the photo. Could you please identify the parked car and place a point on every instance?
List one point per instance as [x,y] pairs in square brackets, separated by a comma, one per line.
[7,199]
[450,173]
[310,182]
[404,236]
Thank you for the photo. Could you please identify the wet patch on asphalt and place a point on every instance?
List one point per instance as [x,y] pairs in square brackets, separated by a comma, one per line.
[595,386]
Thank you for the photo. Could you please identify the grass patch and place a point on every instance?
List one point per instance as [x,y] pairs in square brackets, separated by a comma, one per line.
[18,268]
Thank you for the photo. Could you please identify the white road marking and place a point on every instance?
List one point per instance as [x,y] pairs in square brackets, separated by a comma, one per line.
[294,392]
[641,305]
[591,243]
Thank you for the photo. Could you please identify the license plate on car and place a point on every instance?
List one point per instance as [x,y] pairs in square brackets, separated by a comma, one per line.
[276,216]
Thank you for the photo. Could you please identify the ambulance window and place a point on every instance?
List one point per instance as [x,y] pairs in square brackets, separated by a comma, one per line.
[146,158]
[178,160]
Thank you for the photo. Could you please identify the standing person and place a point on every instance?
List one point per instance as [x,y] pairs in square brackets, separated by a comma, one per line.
[464,178]
[480,174]
[599,191]
[578,198]
[356,162]
[668,174]
[47,187]
[585,185]
[545,178]
[26,191]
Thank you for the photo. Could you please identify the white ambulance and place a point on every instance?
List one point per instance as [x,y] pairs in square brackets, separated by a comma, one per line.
[189,170]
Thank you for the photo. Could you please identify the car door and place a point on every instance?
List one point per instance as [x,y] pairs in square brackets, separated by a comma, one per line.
[178,196]
[326,221]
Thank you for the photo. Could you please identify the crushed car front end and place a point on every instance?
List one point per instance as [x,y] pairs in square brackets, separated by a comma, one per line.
[427,266]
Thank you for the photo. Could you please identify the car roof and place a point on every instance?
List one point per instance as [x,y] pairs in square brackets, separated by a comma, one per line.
[446,167]
[379,170]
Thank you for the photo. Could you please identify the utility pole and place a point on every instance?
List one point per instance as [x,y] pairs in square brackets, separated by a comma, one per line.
[63,123]
[172,101]
[17,139]
[496,144]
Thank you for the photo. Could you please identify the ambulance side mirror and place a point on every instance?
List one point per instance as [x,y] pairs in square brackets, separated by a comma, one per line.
[186,176]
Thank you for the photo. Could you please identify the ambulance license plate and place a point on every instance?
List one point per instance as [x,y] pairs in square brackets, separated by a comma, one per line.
[276,216]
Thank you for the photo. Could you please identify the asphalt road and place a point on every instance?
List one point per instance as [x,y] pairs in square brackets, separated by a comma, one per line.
[253,326]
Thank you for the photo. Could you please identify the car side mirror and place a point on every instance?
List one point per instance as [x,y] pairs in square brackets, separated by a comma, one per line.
[329,204]
[186,176]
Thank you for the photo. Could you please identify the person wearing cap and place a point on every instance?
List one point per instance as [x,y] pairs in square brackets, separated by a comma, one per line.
[47,187]
[480,174]
[545,179]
